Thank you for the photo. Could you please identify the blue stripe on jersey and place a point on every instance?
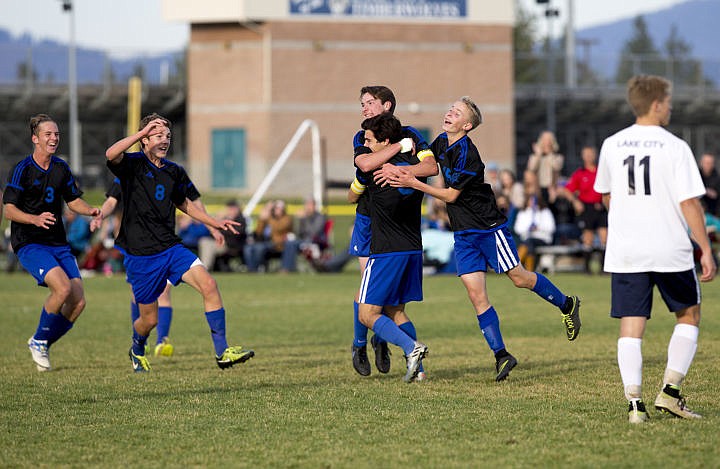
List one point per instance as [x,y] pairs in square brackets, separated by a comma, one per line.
[19,170]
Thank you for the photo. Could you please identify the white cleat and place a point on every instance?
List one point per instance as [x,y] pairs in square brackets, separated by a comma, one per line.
[40,353]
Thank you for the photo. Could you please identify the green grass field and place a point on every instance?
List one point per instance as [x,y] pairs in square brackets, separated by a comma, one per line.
[299,403]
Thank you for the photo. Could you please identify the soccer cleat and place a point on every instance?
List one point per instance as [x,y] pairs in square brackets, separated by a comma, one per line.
[421,376]
[503,366]
[40,353]
[637,412]
[670,401]
[164,348]
[413,361]
[140,364]
[571,317]
[382,354]
[233,355]
[360,360]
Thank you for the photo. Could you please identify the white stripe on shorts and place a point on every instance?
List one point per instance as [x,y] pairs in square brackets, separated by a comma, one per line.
[365,280]
[505,256]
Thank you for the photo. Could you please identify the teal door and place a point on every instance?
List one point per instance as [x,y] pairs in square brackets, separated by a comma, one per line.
[228,158]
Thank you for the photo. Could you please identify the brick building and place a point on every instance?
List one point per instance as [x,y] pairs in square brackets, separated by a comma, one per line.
[258,69]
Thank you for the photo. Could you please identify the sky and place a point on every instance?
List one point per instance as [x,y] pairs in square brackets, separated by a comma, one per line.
[126,27]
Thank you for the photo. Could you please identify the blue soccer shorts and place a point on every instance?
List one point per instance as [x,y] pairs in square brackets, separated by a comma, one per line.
[39,259]
[476,251]
[148,275]
[632,293]
[392,279]
[360,240]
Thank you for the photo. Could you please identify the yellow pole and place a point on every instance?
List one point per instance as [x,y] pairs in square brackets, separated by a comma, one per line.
[133,108]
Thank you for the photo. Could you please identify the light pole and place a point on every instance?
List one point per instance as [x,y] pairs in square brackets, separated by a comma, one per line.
[550,13]
[75,154]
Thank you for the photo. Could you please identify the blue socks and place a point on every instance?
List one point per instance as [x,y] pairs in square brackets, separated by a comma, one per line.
[51,327]
[164,320]
[490,327]
[359,328]
[216,321]
[545,289]
[387,330]
[138,346]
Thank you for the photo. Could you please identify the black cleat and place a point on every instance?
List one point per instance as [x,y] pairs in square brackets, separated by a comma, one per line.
[382,354]
[571,317]
[503,366]
[360,360]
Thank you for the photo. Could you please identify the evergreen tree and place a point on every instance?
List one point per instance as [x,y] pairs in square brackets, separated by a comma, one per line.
[639,54]
[682,69]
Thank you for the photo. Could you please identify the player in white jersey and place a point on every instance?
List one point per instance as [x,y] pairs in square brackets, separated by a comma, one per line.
[651,184]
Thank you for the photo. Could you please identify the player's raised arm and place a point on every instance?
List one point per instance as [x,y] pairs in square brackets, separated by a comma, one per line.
[115,151]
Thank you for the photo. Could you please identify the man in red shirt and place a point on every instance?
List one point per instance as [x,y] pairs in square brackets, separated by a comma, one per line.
[592,214]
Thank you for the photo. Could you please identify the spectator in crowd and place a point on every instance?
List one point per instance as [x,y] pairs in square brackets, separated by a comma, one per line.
[78,233]
[546,162]
[513,192]
[567,230]
[311,230]
[191,231]
[273,235]
[535,226]
[592,214]
[492,176]
[711,179]
[216,256]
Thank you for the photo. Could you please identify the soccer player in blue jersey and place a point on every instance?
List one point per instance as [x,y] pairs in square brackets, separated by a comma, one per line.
[376,100]
[33,202]
[153,187]
[393,274]
[163,346]
[482,237]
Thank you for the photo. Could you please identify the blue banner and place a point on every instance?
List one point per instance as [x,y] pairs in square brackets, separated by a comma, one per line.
[381,8]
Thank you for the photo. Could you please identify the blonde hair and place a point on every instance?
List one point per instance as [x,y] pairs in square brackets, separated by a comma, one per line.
[553,140]
[475,116]
[643,90]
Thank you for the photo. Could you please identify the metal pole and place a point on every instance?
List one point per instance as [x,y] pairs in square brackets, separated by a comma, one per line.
[75,156]
[570,68]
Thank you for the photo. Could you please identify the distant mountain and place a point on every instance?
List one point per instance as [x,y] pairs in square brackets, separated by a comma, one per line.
[49,61]
[696,22]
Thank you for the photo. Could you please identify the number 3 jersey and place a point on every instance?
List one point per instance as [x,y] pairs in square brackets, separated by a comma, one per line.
[149,197]
[647,171]
[35,190]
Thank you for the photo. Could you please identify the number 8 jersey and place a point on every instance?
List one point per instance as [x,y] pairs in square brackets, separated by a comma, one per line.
[648,172]
[149,197]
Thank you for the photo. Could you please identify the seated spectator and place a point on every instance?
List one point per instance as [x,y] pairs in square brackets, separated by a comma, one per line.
[273,235]
[312,231]
[190,232]
[218,257]
[77,228]
[535,226]
[589,208]
[567,229]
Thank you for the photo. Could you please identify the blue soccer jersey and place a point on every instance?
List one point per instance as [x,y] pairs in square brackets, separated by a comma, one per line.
[35,190]
[151,194]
